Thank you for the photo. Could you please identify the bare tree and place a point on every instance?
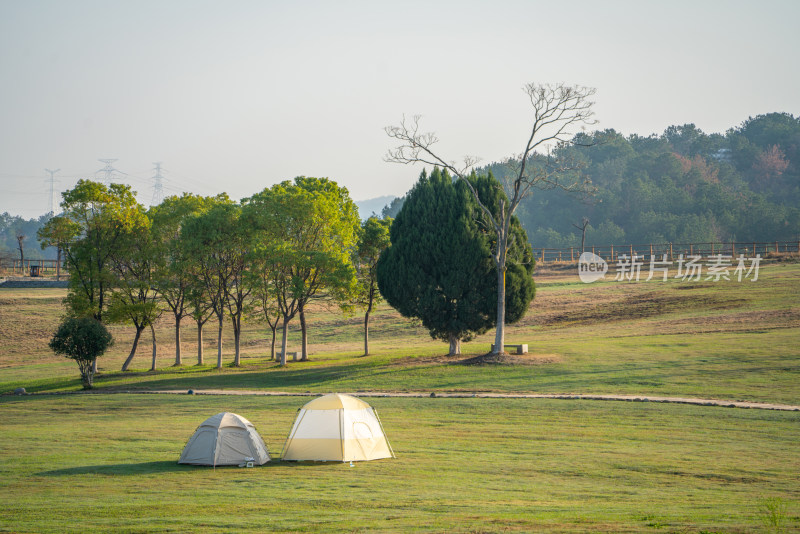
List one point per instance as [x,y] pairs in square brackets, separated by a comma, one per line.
[582,228]
[20,239]
[543,164]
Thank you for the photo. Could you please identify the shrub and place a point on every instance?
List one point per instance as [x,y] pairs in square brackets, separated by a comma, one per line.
[83,340]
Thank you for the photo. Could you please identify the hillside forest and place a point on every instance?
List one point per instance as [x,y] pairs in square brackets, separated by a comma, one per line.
[683,186]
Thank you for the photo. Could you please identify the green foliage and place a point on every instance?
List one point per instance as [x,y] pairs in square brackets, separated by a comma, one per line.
[83,340]
[373,239]
[173,272]
[305,232]
[393,208]
[58,232]
[216,243]
[682,186]
[134,295]
[439,267]
[773,513]
[96,219]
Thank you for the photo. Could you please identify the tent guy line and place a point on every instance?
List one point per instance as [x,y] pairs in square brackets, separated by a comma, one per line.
[625,398]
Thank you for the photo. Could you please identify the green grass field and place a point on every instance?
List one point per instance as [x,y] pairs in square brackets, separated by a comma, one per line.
[72,463]
[92,463]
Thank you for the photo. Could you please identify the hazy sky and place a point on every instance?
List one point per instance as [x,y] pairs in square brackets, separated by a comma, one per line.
[237,95]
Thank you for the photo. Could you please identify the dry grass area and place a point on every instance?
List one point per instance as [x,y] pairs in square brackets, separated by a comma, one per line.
[28,319]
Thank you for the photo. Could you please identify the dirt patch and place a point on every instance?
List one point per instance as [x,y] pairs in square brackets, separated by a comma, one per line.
[636,307]
[483,359]
[512,359]
[734,322]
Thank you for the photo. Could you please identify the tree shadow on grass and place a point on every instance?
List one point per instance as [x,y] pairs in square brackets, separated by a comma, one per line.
[142,468]
[267,378]
[169,466]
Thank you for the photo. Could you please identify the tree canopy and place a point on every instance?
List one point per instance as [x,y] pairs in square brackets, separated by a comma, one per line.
[683,186]
[439,267]
[308,228]
[82,339]
[372,241]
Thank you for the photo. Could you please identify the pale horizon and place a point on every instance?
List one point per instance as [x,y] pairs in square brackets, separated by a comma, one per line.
[238,96]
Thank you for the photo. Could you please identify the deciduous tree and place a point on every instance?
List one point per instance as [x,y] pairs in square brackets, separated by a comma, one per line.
[373,239]
[97,218]
[173,276]
[213,240]
[557,110]
[310,227]
[57,232]
[134,297]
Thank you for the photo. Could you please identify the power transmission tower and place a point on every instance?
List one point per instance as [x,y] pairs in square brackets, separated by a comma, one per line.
[52,181]
[158,189]
[108,171]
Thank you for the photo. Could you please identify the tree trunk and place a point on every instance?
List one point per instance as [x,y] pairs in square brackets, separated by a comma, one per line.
[178,360]
[153,333]
[500,334]
[20,239]
[283,341]
[87,377]
[237,326]
[272,346]
[58,264]
[366,330]
[303,335]
[133,349]
[455,346]
[200,342]
[219,343]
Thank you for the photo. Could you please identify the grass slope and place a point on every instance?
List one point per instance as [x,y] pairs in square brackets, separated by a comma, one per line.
[730,340]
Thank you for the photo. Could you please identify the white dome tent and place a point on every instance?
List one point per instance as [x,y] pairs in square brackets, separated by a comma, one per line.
[337,428]
[225,439]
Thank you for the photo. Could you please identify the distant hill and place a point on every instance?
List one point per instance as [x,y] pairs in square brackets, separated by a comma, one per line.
[684,186]
[372,205]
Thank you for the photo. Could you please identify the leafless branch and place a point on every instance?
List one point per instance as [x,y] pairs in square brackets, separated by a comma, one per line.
[558,111]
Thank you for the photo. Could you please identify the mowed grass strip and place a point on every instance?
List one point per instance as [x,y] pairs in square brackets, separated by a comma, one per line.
[108,463]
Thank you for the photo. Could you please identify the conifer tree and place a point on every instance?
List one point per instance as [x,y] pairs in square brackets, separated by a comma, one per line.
[439,268]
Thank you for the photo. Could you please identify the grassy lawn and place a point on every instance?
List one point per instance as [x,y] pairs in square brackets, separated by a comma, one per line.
[730,340]
[88,463]
[78,463]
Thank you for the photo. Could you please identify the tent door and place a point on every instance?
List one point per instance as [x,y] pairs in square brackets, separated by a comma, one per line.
[365,438]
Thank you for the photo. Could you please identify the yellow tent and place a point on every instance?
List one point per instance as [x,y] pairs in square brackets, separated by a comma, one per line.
[337,428]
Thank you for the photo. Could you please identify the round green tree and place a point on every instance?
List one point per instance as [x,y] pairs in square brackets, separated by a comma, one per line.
[83,340]
[439,267]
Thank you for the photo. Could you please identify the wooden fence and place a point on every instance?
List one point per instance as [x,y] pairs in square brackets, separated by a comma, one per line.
[611,253]
[15,267]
